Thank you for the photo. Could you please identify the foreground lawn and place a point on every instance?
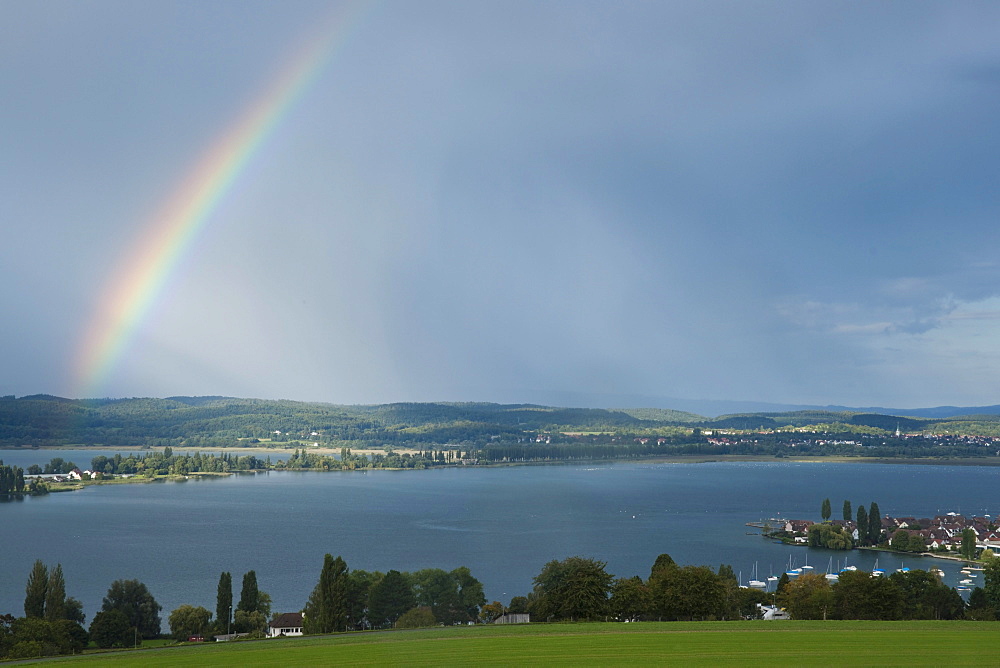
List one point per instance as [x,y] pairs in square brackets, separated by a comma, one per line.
[782,643]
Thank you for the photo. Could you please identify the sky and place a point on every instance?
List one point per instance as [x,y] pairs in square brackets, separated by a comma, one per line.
[574,203]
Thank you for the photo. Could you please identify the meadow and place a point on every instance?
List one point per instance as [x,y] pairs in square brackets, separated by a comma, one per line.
[784,643]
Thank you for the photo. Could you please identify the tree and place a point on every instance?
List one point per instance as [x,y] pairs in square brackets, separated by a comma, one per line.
[900,540]
[979,607]
[926,597]
[491,611]
[417,618]
[825,510]
[34,592]
[188,621]
[55,595]
[111,628]
[968,549]
[783,583]
[249,595]
[689,593]
[72,634]
[848,516]
[862,522]
[630,599]
[663,561]
[575,588]
[253,622]
[748,599]
[991,584]
[29,637]
[224,602]
[518,605]
[389,598]
[859,595]
[74,611]
[809,596]
[132,599]
[829,536]
[264,604]
[454,597]
[359,584]
[874,524]
[470,593]
[327,608]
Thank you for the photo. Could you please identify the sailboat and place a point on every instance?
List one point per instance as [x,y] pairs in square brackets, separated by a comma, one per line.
[830,574]
[754,582]
[792,572]
[806,566]
[772,577]
[877,572]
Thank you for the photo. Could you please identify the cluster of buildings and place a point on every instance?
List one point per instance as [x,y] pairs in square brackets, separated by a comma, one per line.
[72,476]
[939,532]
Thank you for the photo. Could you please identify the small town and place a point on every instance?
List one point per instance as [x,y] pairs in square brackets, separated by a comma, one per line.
[938,534]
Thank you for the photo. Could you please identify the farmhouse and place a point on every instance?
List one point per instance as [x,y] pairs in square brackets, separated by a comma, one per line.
[287,624]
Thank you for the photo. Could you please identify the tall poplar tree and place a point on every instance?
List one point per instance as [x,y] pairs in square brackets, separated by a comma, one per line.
[249,595]
[848,515]
[327,608]
[862,525]
[55,595]
[224,601]
[825,510]
[874,524]
[34,592]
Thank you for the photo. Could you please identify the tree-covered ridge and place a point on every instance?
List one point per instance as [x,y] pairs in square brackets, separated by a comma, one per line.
[213,422]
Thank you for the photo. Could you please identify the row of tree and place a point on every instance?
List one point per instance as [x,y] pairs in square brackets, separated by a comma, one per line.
[53,622]
[345,600]
[575,588]
[251,615]
[579,588]
[867,521]
[915,594]
[11,479]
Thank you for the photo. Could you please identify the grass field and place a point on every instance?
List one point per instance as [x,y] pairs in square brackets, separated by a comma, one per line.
[786,643]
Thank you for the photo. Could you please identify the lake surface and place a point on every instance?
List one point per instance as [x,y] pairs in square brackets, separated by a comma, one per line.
[503,523]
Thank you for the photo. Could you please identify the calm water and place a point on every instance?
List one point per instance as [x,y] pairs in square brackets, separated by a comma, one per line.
[503,523]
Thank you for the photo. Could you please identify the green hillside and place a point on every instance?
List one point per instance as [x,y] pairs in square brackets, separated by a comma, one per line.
[218,422]
[783,643]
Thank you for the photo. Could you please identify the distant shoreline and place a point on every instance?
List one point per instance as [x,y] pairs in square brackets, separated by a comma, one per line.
[659,459]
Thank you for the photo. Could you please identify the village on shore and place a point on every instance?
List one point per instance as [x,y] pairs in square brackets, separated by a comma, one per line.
[939,535]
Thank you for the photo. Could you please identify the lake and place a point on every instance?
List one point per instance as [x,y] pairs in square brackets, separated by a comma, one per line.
[503,523]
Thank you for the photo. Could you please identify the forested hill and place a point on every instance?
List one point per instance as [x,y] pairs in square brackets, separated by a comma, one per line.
[44,420]
[226,421]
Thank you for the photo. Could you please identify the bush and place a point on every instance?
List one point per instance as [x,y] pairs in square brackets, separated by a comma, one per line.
[111,628]
[416,618]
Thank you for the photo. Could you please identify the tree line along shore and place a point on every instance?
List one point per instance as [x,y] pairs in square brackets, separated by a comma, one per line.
[572,589]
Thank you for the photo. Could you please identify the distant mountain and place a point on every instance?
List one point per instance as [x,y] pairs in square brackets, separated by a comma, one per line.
[716,407]
[939,412]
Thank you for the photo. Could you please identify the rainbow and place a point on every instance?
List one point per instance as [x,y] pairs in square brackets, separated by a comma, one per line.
[171,231]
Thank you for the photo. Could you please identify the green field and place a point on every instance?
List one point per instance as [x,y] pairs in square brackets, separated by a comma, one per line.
[785,643]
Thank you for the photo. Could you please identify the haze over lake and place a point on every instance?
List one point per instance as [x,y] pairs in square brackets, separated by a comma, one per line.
[503,523]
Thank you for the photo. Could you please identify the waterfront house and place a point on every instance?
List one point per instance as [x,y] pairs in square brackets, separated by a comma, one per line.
[287,624]
[798,526]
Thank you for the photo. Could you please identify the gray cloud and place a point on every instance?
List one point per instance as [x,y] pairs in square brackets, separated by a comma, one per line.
[716,200]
